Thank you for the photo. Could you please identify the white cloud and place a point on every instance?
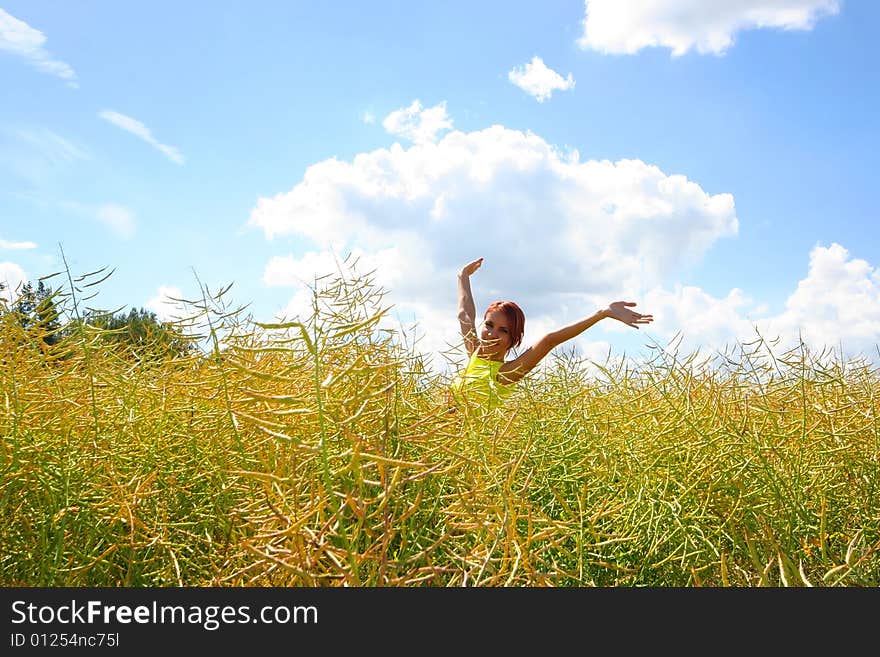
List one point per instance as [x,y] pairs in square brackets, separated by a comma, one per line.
[19,38]
[16,246]
[836,305]
[292,272]
[368,118]
[13,277]
[164,303]
[709,26]
[418,125]
[838,301]
[393,270]
[301,274]
[537,80]
[703,320]
[558,235]
[138,129]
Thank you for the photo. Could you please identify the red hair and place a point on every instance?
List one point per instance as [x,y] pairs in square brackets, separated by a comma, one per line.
[515,317]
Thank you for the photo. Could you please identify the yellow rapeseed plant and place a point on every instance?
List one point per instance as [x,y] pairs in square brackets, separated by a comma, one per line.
[320,451]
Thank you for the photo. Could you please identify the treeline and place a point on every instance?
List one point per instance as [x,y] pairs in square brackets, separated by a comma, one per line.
[137,333]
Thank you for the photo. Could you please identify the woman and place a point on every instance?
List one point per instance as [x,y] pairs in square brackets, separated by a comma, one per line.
[488,378]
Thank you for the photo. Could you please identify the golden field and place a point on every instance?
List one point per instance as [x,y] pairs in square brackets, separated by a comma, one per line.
[322,452]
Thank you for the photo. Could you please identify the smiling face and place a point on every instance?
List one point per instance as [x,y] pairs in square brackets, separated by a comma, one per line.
[495,337]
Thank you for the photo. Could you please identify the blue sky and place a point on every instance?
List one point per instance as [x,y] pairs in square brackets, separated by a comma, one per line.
[712,161]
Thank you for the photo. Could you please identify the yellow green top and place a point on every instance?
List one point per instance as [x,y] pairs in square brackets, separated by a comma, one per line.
[478,383]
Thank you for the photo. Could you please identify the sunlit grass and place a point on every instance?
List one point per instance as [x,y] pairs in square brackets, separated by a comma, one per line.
[320,452]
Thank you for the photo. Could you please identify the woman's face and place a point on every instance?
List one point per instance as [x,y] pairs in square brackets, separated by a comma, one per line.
[494,335]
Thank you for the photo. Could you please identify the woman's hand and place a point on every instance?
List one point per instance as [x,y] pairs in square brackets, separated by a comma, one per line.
[471,267]
[619,311]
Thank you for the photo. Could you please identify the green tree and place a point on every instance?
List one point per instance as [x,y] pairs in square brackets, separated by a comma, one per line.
[37,312]
[140,333]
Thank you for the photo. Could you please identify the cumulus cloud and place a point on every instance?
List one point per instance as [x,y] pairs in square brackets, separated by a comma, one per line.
[836,305]
[288,271]
[394,267]
[838,301]
[704,321]
[513,198]
[558,235]
[709,26]
[138,129]
[417,124]
[12,277]
[22,40]
[164,303]
[16,246]
[539,81]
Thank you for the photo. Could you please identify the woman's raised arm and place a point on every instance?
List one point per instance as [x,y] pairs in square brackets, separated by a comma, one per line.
[466,309]
[514,370]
